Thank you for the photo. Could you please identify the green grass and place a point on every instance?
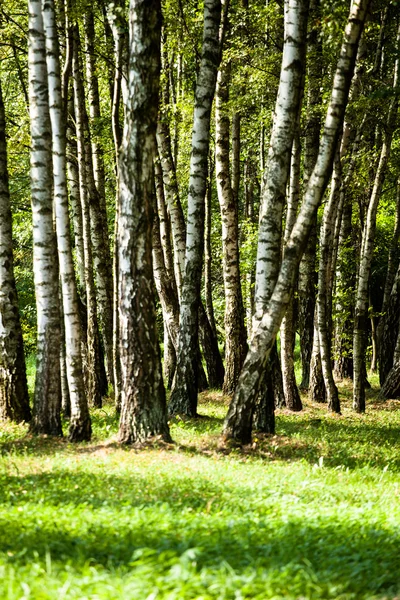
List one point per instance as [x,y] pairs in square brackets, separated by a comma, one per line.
[313,512]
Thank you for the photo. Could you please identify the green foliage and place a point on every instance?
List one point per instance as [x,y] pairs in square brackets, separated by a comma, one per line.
[310,513]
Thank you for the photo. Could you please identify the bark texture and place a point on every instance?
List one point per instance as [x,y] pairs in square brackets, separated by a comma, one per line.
[80,428]
[47,400]
[184,393]
[143,408]
[238,420]
[92,349]
[235,331]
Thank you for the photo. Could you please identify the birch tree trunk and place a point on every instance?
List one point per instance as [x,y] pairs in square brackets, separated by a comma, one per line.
[92,354]
[277,169]
[143,408]
[324,278]
[103,262]
[238,421]
[367,248]
[80,428]
[235,331]
[208,300]
[47,400]
[288,332]
[74,196]
[184,393]
[307,278]
[317,390]
[14,398]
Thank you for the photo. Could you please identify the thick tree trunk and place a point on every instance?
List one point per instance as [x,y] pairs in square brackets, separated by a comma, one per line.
[238,420]
[235,331]
[80,428]
[14,398]
[47,401]
[367,248]
[143,409]
[184,393]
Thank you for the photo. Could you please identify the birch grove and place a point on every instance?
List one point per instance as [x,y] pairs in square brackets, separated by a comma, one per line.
[192,224]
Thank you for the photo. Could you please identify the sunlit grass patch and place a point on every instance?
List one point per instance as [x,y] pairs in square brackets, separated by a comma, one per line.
[312,512]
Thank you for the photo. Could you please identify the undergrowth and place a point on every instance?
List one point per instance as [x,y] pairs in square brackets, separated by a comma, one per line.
[312,512]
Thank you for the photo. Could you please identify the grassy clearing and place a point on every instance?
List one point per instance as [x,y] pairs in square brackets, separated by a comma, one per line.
[313,512]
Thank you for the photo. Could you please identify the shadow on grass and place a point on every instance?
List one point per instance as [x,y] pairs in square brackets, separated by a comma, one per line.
[342,441]
[153,526]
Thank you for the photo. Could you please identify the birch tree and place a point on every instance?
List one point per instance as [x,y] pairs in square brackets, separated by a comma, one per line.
[238,421]
[47,400]
[14,399]
[235,332]
[184,393]
[80,428]
[143,409]
[92,355]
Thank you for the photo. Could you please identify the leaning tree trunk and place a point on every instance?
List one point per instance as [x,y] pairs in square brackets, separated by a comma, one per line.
[235,331]
[238,421]
[143,408]
[80,427]
[184,392]
[47,400]
[14,398]
[367,249]
[278,166]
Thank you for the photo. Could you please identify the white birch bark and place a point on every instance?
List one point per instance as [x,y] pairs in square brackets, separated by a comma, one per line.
[278,162]
[238,421]
[184,393]
[47,400]
[80,428]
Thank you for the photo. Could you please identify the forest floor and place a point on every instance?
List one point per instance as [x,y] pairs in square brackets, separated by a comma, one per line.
[311,513]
